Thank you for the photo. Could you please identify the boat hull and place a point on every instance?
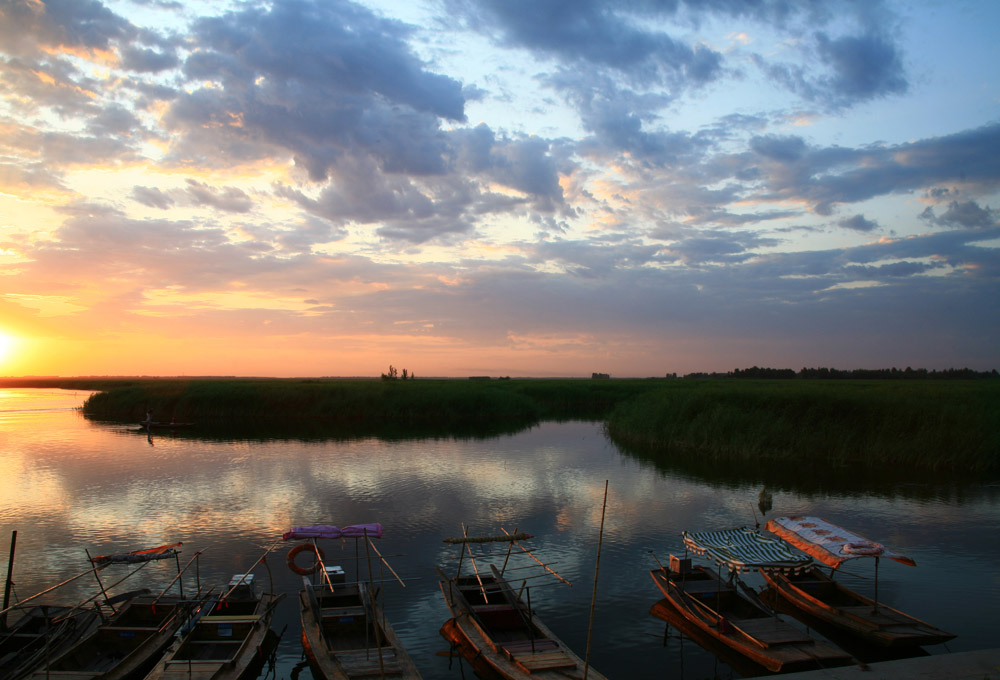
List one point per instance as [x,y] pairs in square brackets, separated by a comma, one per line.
[719,612]
[815,594]
[126,647]
[221,646]
[42,632]
[345,635]
[499,636]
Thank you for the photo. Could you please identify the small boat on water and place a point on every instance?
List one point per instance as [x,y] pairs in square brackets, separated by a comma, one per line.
[496,631]
[728,612]
[168,425]
[814,594]
[125,647]
[102,638]
[228,639]
[345,633]
[41,631]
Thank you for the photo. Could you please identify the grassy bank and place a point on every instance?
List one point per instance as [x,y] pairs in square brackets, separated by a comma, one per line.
[931,425]
[364,404]
[927,425]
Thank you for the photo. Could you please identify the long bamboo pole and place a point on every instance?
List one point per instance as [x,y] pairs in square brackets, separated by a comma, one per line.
[99,584]
[514,540]
[47,590]
[244,575]
[179,572]
[597,569]
[374,618]
[475,568]
[387,566]
[10,580]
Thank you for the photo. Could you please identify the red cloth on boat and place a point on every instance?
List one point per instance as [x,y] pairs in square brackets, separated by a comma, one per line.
[373,530]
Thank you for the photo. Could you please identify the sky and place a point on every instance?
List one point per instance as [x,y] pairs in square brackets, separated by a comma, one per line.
[501,187]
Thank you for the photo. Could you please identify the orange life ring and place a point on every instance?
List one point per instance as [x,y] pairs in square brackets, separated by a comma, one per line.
[304,571]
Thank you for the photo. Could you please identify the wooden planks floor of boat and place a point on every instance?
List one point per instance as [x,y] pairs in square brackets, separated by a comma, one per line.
[538,655]
[771,631]
[363,663]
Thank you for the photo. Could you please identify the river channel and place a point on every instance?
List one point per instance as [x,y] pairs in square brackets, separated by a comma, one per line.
[70,485]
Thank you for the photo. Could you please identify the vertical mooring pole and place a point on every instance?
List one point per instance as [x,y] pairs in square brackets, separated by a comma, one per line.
[10,578]
[597,570]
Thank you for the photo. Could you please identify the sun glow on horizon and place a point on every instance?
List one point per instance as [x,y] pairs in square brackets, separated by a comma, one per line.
[7,343]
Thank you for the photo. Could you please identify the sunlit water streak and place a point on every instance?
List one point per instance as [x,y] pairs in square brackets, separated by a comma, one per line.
[70,485]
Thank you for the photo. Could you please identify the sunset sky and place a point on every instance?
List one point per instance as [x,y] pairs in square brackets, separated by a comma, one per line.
[499,187]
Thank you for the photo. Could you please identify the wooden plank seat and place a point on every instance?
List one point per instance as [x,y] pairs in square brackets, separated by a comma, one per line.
[883,617]
[487,608]
[519,646]
[336,612]
[703,587]
[771,631]
[544,660]
[245,618]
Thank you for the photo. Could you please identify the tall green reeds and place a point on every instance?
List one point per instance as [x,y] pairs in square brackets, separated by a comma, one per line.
[390,403]
[952,425]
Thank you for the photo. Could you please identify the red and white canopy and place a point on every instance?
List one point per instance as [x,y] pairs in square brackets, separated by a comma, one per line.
[828,543]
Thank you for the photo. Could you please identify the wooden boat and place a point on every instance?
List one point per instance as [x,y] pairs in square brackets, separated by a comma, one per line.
[736,617]
[227,640]
[125,647]
[715,608]
[95,639]
[815,594]
[156,425]
[42,631]
[501,636]
[345,633]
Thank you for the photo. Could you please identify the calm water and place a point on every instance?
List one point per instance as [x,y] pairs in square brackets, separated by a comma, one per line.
[69,485]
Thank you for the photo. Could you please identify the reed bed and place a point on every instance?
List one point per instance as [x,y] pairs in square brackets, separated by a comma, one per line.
[916,424]
[935,425]
[359,402]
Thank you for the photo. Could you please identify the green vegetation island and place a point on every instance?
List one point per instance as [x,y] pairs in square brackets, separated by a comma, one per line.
[946,421]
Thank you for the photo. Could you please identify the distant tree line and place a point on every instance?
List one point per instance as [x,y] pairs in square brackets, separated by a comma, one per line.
[756,372]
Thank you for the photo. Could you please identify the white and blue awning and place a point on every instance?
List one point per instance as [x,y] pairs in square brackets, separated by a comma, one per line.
[746,549]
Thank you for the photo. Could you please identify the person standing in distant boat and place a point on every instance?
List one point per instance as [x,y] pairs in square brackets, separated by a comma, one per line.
[149,416]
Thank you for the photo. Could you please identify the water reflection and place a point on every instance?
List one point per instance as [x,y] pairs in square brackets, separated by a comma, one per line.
[816,478]
[71,484]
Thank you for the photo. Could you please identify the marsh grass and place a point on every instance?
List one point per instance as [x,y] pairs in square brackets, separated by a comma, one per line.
[925,424]
[943,425]
[368,403]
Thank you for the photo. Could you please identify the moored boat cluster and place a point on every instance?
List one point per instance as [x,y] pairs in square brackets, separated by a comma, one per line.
[224,632]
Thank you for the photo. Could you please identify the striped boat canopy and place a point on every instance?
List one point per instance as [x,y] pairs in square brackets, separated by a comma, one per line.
[745,549]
